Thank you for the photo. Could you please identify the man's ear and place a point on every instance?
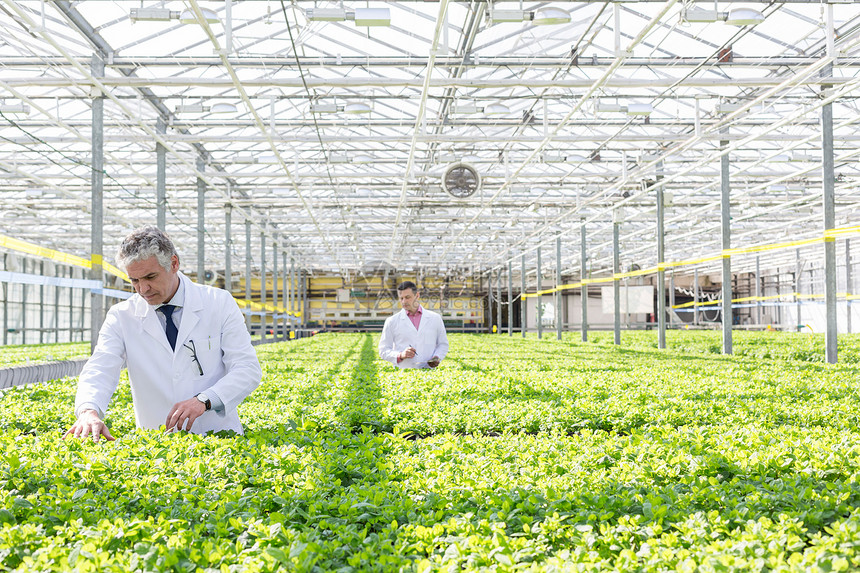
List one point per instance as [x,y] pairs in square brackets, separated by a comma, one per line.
[174,263]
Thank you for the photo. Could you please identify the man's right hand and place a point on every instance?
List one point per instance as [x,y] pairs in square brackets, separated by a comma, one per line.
[89,423]
[408,353]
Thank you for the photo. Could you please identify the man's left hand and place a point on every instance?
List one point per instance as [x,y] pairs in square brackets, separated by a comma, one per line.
[185,411]
[433,362]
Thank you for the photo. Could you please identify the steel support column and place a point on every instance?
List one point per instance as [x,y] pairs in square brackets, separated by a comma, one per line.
[725,232]
[498,297]
[201,221]
[306,287]
[97,68]
[42,305]
[559,316]
[696,296]
[489,299]
[293,287]
[758,289]
[248,274]
[264,319]
[228,248]
[275,286]
[798,273]
[616,284]
[510,298]
[284,293]
[523,310]
[539,297]
[828,179]
[661,258]
[160,177]
[583,264]
[848,286]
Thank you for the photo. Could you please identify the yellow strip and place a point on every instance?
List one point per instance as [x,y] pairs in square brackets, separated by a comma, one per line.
[115,272]
[788,297]
[31,249]
[833,233]
[60,257]
[260,307]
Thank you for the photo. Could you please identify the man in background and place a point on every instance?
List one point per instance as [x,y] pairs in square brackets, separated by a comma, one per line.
[414,337]
[189,355]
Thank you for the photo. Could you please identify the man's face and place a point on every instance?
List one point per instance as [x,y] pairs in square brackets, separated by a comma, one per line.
[408,299]
[152,282]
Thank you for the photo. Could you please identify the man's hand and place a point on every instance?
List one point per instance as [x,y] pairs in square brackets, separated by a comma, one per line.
[185,411]
[408,353]
[89,423]
[433,362]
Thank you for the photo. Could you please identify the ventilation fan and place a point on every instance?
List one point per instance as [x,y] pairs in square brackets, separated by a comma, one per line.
[461,180]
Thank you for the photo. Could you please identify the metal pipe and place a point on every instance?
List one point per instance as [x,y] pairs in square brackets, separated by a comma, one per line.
[228,248]
[248,274]
[797,276]
[828,178]
[661,258]
[499,302]
[510,299]
[201,219]
[42,305]
[758,282]
[559,316]
[583,265]
[725,233]
[523,324]
[539,297]
[275,285]
[616,286]
[284,293]
[264,319]
[848,283]
[160,176]
[696,296]
[97,198]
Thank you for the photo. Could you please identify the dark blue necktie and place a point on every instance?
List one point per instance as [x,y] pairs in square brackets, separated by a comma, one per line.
[168,309]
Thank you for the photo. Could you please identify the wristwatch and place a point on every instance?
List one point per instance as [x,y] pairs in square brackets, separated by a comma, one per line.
[205,400]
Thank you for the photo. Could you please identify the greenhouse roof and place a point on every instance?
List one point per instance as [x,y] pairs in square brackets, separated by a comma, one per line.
[333,138]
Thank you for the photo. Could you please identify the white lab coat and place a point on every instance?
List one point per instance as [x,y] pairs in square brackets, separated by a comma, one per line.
[161,377]
[428,340]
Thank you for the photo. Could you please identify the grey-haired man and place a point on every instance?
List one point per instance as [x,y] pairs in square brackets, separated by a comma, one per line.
[189,355]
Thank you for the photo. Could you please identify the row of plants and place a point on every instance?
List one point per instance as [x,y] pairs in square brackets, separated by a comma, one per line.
[513,455]
[17,355]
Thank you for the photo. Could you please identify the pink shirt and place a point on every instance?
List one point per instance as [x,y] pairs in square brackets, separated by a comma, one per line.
[415,317]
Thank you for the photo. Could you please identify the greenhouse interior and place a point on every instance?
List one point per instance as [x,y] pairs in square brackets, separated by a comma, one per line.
[630,223]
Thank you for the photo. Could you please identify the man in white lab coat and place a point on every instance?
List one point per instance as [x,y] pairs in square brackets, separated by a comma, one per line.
[414,337]
[189,355]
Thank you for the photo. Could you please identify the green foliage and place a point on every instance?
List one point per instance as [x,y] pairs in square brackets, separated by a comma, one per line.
[513,455]
[35,353]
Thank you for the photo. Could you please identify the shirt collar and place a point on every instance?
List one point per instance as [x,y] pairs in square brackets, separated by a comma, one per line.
[178,298]
[416,313]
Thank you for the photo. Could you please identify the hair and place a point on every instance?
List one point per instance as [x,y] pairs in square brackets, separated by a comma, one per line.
[407,284]
[145,242]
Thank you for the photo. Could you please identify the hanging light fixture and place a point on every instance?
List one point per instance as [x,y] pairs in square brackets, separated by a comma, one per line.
[744,17]
[734,17]
[356,108]
[361,16]
[496,109]
[549,16]
[223,107]
[15,108]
